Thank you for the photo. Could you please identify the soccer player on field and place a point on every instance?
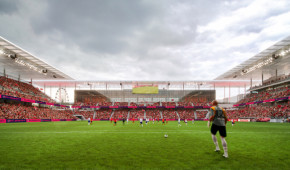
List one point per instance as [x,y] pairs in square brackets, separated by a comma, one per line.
[141,122]
[111,119]
[115,122]
[218,117]
[233,122]
[133,120]
[89,121]
[179,122]
[192,121]
[153,121]
[185,121]
[123,121]
[163,121]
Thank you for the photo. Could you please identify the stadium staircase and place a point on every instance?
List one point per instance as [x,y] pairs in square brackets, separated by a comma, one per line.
[177,114]
[112,114]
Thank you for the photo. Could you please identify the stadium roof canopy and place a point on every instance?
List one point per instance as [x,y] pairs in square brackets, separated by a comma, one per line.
[273,61]
[20,63]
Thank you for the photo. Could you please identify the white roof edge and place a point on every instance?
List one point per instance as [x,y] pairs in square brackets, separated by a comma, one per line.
[42,63]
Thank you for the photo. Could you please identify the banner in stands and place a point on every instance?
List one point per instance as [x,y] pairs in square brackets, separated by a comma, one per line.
[282,98]
[15,120]
[264,101]
[40,102]
[27,100]
[270,100]
[263,120]
[45,120]
[33,120]
[244,120]
[10,97]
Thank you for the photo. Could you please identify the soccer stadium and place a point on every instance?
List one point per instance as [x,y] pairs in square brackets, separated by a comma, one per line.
[50,120]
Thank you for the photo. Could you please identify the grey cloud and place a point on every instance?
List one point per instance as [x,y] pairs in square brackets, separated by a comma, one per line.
[8,6]
[95,25]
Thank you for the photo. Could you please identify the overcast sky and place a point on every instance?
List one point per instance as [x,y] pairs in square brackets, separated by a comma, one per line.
[144,40]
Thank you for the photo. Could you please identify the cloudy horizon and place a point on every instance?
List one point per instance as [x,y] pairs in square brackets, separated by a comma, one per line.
[144,40]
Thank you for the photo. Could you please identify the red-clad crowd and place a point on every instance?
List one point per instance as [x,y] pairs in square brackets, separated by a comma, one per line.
[18,111]
[278,111]
[268,94]
[20,89]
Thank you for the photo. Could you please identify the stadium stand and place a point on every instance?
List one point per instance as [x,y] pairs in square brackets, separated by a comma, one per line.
[23,90]
[18,111]
[19,89]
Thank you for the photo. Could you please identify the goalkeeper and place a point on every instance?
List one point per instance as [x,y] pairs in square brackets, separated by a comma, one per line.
[219,119]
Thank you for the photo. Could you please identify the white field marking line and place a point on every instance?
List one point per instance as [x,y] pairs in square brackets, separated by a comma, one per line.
[133,132]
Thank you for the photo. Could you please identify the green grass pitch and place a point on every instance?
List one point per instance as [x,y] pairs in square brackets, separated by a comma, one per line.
[75,145]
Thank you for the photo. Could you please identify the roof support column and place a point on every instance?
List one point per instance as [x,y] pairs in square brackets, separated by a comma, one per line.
[59,93]
[251,82]
[262,79]
[229,93]
[224,92]
[245,92]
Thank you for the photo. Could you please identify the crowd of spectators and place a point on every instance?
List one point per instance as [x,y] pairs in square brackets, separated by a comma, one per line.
[268,94]
[278,111]
[186,114]
[20,89]
[153,114]
[169,114]
[18,111]
[120,114]
[272,80]
[136,113]
[201,114]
